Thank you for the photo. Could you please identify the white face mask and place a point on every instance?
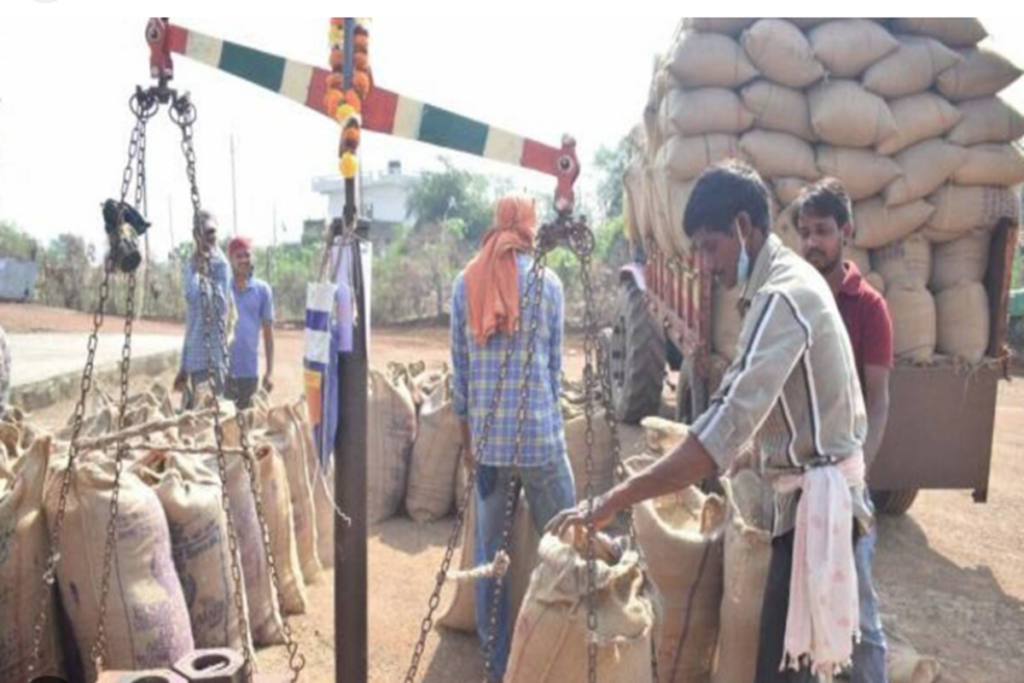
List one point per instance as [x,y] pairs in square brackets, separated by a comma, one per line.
[742,261]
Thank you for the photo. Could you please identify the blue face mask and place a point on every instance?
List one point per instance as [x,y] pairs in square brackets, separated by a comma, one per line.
[742,261]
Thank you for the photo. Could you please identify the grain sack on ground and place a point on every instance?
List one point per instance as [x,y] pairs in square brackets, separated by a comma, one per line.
[24,549]
[788,189]
[926,166]
[911,69]
[776,107]
[147,622]
[913,323]
[960,32]
[731,26]
[191,497]
[876,225]
[686,158]
[847,47]
[959,209]
[681,538]
[435,457]
[846,115]
[963,321]
[989,119]
[782,53]
[726,320]
[748,552]
[550,642]
[321,480]
[862,172]
[919,117]
[991,165]
[391,423]
[904,664]
[604,456]
[278,511]
[264,609]
[702,60]
[906,263]
[706,110]
[982,73]
[779,154]
[961,260]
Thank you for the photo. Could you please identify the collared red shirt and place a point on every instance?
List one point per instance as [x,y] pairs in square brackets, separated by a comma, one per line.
[793,383]
[867,320]
[475,371]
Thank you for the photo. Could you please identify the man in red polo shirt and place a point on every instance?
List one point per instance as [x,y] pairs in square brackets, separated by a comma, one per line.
[825,224]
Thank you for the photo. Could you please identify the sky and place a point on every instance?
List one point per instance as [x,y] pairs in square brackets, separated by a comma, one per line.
[65,123]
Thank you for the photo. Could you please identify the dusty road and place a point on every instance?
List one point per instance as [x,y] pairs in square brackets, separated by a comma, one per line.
[951,573]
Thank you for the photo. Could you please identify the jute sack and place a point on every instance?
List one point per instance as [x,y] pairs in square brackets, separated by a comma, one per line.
[989,119]
[321,481]
[24,549]
[906,263]
[982,73]
[731,26]
[904,664]
[782,53]
[846,115]
[681,539]
[435,457]
[926,166]
[787,190]
[959,209]
[861,257]
[191,497]
[702,60]
[919,117]
[672,197]
[550,642]
[603,454]
[633,205]
[963,321]
[961,32]
[961,260]
[861,172]
[726,320]
[147,621]
[264,608]
[779,154]
[278,511]
[776,107]
[877,282]
[785,227]
[748,553]
[876,225]
[286,439]
[846,47]
[704,111]
[391,422]
[686,158]
[914,323]
[911,69]
[991,165]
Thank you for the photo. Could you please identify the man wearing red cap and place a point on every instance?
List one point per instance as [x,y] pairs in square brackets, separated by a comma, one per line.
[254,302]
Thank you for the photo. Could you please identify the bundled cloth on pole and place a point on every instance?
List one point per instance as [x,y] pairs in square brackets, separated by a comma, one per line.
[320,362]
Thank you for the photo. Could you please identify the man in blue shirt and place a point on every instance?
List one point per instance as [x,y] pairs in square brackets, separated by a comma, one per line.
[254,302]
[195,359]
[485,318]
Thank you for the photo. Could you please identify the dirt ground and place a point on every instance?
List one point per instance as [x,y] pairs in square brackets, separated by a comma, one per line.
[949,572]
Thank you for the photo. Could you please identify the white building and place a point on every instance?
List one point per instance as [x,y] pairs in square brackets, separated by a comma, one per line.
[384,195]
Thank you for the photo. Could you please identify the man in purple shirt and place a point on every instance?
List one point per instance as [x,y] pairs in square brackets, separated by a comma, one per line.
[254,302]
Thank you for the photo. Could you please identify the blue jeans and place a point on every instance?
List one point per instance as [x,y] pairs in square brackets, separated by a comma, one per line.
[549,490]
[869,654]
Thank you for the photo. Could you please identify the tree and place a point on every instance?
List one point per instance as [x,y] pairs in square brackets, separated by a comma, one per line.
[16,244]
[451,194]
[611,163]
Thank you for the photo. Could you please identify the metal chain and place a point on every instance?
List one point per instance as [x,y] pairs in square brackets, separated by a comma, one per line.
[427,625]
[183,113]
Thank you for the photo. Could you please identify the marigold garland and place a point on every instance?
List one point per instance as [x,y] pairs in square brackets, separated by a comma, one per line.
[346,105]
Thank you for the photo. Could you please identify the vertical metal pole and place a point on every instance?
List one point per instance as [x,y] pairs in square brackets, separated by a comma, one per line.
[234,197]
[350,549]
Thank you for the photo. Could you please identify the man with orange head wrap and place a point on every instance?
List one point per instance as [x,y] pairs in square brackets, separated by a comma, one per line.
[488,312]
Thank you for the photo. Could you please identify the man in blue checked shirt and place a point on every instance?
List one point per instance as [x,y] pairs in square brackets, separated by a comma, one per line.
[194,370]
[485,315]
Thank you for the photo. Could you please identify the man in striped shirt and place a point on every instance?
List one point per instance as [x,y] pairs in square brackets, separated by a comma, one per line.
[793,386]
[486,313]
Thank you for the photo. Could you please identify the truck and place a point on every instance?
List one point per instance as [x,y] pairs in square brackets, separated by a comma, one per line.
[942,415]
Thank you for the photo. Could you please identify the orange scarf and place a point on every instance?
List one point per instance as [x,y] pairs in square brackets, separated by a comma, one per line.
[492,279]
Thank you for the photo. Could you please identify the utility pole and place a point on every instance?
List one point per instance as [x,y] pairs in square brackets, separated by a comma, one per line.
[234,197]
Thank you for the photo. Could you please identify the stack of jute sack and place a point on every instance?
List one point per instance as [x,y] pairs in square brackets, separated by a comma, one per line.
[171,587]
[905,112]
